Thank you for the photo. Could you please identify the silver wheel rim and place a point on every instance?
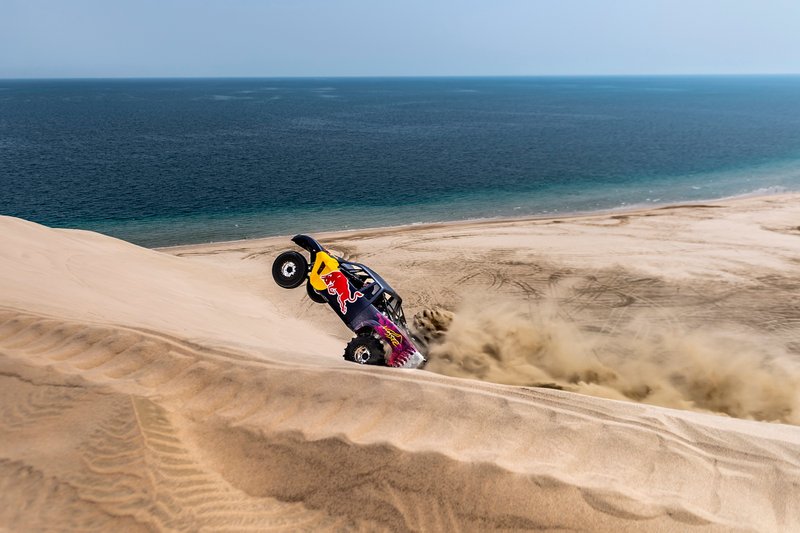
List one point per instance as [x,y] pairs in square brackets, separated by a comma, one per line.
[288,269]
[361,354]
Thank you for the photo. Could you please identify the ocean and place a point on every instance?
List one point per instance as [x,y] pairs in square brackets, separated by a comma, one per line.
[175,161]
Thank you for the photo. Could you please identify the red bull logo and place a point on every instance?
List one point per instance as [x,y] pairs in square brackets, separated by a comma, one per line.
[337,284]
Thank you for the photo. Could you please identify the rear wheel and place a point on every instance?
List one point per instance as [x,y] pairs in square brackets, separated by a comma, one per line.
[289,269]
[366,349]
[314,295]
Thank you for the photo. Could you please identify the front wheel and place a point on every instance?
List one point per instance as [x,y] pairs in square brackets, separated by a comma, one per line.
[365,349]
[289,269]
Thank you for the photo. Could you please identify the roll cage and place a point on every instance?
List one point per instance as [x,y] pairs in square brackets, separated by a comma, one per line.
[375,289]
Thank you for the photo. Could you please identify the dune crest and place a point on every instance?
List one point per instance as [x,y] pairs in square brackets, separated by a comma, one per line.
[141,390]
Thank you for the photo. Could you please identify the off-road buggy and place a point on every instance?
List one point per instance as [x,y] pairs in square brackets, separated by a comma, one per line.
[360,297]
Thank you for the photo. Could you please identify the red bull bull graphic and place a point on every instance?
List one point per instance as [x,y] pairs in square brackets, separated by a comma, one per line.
[337,285]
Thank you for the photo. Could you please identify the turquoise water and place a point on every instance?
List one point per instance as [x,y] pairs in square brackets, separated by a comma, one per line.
[162,162]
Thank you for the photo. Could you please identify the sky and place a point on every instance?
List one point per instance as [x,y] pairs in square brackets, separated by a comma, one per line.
[231,38]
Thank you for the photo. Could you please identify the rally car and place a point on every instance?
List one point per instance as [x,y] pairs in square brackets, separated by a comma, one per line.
[360,297]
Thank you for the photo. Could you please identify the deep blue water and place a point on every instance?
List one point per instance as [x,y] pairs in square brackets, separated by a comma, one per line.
[162,162]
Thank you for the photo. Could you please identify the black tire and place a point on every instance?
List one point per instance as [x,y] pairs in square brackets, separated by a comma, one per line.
[366,349]
[314,295]
[290,269]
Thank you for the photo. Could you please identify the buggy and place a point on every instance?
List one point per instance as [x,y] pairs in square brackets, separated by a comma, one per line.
[364,301]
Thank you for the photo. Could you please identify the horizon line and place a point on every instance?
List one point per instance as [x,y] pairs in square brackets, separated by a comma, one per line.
[404,76]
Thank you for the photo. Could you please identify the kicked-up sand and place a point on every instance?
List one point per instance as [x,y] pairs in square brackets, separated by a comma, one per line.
[633,371]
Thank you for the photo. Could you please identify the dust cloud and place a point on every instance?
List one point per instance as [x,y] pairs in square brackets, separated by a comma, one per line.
[725,372]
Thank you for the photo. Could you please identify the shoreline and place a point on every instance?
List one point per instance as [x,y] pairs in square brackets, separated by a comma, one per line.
[423,226]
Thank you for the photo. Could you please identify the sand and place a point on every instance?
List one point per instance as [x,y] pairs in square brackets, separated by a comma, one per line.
[182,390]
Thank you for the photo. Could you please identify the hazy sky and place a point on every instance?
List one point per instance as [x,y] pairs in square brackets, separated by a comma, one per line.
[110,38]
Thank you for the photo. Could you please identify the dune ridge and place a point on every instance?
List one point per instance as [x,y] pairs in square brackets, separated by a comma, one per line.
[147,391]
[267,441]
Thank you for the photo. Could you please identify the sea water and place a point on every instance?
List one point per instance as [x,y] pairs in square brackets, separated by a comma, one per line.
[172,161]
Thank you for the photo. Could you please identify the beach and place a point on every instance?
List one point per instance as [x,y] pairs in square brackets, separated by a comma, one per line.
[621,371]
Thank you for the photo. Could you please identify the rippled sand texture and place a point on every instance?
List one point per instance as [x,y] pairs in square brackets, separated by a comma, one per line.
[143,390]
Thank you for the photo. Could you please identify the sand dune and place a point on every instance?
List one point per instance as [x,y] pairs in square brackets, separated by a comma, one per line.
[183,391]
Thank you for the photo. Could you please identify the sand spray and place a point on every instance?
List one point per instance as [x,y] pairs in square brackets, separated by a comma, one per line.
[727,372]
